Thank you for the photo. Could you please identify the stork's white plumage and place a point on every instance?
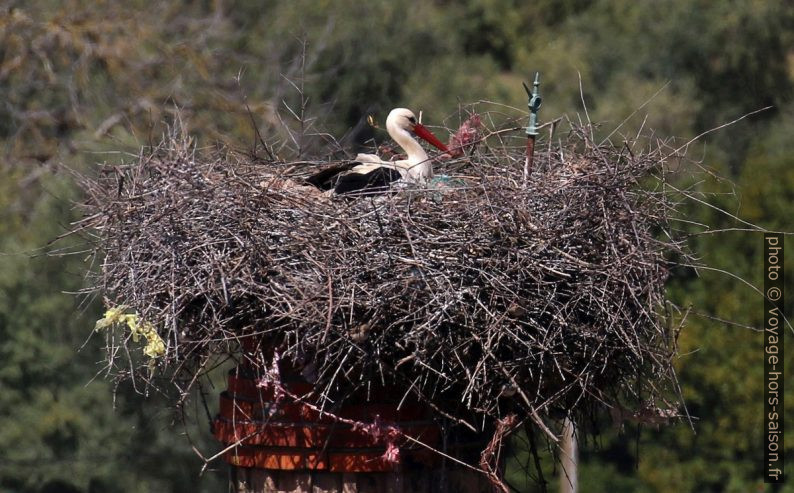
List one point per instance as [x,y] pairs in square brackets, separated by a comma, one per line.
[369,171]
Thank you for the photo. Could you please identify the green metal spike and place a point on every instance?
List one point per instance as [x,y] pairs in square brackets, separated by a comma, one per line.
[534,105]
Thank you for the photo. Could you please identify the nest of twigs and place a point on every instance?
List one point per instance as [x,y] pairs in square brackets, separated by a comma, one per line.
[489,292]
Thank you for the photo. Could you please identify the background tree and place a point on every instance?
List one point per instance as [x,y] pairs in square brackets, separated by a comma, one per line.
[83,82]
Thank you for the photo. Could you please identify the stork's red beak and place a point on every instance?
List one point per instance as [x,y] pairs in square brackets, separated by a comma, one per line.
[428,136]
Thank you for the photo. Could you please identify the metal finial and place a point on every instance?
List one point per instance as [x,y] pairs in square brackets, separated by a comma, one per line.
[534,105]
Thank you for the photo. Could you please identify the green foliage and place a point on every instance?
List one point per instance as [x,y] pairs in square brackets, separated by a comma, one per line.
[58,424]
[81,79]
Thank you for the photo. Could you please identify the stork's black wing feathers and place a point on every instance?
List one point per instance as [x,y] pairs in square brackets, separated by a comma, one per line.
[340,178]
[376,181]
[326,179]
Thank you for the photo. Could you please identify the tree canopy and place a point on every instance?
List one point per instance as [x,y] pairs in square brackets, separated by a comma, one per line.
[83,82]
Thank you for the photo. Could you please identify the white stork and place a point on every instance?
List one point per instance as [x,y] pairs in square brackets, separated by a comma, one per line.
[369,173]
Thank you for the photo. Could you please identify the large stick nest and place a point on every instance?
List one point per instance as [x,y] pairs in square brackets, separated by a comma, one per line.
[483,294]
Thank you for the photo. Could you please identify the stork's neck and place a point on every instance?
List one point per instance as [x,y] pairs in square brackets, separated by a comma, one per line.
[420,166]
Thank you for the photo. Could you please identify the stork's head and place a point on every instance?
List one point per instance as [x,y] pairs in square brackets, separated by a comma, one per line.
[403,119]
